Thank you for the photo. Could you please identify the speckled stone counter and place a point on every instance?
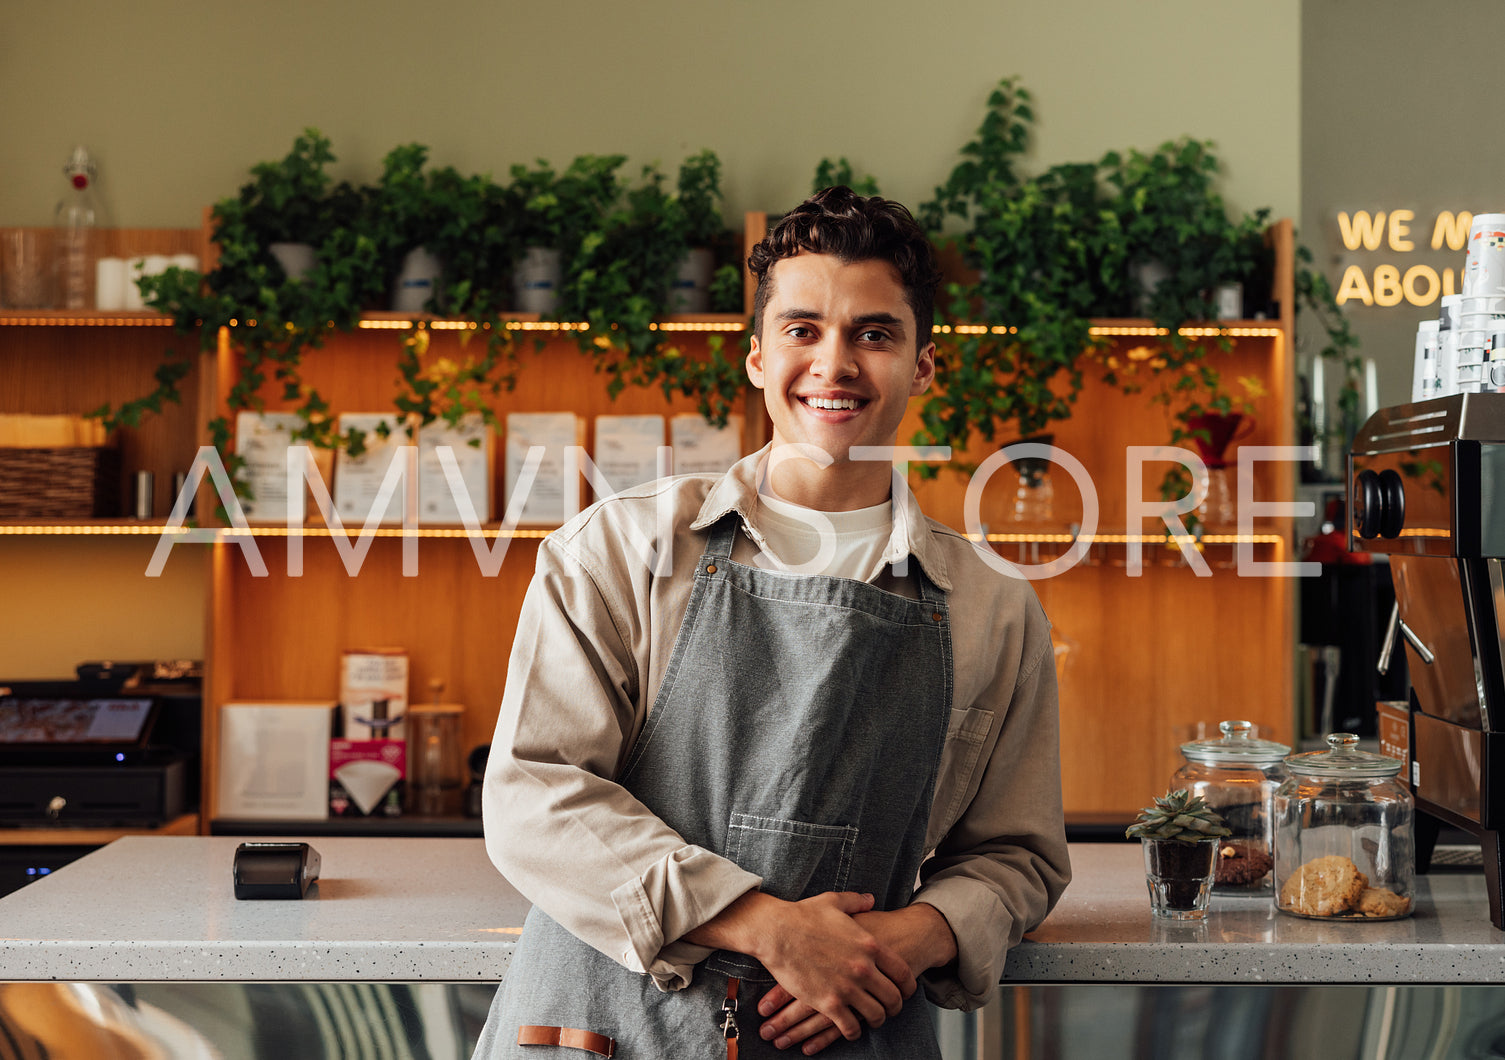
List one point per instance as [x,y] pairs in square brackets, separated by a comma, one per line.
[1102,932]
[161,908]
[149,908]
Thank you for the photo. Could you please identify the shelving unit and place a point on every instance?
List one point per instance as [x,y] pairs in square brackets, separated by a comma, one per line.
[1222,646]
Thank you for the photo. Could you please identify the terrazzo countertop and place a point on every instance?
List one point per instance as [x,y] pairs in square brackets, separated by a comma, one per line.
[161,908]
[1102,932]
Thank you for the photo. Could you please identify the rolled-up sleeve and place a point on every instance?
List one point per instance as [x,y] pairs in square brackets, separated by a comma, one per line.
[574,842]
[1000,868]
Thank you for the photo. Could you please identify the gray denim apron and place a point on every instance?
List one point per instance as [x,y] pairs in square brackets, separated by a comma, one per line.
[797,732]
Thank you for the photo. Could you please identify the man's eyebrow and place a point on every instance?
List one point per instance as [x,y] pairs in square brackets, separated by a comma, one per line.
[879,318]
[796,313]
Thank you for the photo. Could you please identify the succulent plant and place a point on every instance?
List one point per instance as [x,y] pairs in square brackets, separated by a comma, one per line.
[1178,815]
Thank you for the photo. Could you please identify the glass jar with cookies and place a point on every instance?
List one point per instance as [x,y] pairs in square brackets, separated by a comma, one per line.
[1343,835]
[1237,774]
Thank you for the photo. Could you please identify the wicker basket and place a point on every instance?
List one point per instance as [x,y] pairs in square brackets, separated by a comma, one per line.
[76,482]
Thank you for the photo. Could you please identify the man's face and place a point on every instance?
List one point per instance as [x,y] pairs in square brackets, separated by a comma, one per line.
[836,356]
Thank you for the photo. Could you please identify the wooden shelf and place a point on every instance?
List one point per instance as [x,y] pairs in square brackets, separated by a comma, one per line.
[188,824]
[408,827]
[1141,657]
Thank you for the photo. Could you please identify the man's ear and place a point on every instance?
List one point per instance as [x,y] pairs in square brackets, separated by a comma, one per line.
[924,371]
[754,364]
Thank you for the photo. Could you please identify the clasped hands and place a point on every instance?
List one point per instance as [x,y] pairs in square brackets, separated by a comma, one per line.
[836,963]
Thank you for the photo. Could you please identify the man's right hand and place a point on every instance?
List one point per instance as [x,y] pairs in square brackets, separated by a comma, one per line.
[816,951]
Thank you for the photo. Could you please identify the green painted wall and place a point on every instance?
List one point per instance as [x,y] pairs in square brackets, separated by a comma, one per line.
[179,98]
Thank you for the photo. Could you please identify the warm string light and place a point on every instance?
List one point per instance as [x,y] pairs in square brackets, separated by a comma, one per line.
[1131,539]
[698,325]
[101,320]
[87,529]
[148,319]
[386,531]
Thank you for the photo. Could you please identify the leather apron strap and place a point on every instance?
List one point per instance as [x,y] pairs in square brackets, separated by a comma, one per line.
[569,1037]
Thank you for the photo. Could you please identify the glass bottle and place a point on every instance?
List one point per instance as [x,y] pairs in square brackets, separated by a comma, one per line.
[1237,775]
[1343,835]
[73,242]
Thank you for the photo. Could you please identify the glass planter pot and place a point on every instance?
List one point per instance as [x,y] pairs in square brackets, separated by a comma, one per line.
[1179,876]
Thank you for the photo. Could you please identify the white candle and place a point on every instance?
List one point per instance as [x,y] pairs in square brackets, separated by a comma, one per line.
[1371,388]
[1319,398]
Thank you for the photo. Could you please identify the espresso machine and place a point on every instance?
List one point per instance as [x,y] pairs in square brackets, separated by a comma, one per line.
[1427,488]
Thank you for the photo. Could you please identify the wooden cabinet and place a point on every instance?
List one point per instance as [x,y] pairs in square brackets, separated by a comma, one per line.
[1143,657]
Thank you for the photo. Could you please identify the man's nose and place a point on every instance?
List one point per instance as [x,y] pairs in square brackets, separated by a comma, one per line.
[834,359]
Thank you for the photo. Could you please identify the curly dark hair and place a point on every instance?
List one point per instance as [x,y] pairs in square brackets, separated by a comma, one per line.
[854,228]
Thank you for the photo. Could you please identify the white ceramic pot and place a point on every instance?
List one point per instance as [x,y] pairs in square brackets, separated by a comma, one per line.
[295,258]
[535,281]
[417,282]
[1148,276]
[690,290]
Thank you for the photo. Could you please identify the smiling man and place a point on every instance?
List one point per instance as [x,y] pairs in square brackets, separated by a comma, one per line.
[763,788]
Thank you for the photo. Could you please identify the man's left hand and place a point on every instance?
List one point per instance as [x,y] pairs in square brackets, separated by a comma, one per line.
[917,932]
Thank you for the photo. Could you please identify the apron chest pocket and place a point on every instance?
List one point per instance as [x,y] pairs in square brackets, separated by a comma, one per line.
[795,858]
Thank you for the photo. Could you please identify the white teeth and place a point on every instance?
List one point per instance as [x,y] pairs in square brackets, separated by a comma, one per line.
[831,403]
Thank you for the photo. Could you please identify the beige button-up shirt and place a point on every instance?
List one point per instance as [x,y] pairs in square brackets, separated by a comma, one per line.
[594,636]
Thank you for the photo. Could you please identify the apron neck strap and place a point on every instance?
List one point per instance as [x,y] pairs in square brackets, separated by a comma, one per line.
[723,536]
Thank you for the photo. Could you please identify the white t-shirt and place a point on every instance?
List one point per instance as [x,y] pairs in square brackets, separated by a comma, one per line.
[854,543]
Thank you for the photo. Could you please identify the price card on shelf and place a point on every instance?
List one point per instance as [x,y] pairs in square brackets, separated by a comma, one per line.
[701,448]
[274,760]
[627,450]
[261,440]
[471,443]
[386,463]
[551,498]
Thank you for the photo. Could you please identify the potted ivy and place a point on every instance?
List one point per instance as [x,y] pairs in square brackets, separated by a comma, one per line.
[699,208]
[555,211]
[284,208]
[407,214]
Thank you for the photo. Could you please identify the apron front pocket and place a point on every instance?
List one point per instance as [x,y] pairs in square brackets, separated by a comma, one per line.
[797,859]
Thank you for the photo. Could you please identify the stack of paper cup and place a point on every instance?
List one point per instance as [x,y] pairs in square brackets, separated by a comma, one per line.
[1495,380]
[1447,347]
[1484,269]
[1481,308]
[1424,371]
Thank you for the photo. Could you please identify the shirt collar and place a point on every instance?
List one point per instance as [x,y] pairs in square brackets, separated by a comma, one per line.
[737,491]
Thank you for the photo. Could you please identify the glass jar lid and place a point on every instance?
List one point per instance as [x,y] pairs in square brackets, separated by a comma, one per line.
[1238,745]
[1343,759]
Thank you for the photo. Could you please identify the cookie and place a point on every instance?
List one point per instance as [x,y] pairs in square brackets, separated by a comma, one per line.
[1323,887]
[1241,862]
[1377,902]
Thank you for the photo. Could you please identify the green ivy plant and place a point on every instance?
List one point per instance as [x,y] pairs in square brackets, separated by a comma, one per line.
[830,173]
[1053,250]
[620,247]
[618,284]
[1046,253]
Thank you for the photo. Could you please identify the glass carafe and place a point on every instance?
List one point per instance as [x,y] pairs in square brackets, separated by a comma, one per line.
[436,773]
